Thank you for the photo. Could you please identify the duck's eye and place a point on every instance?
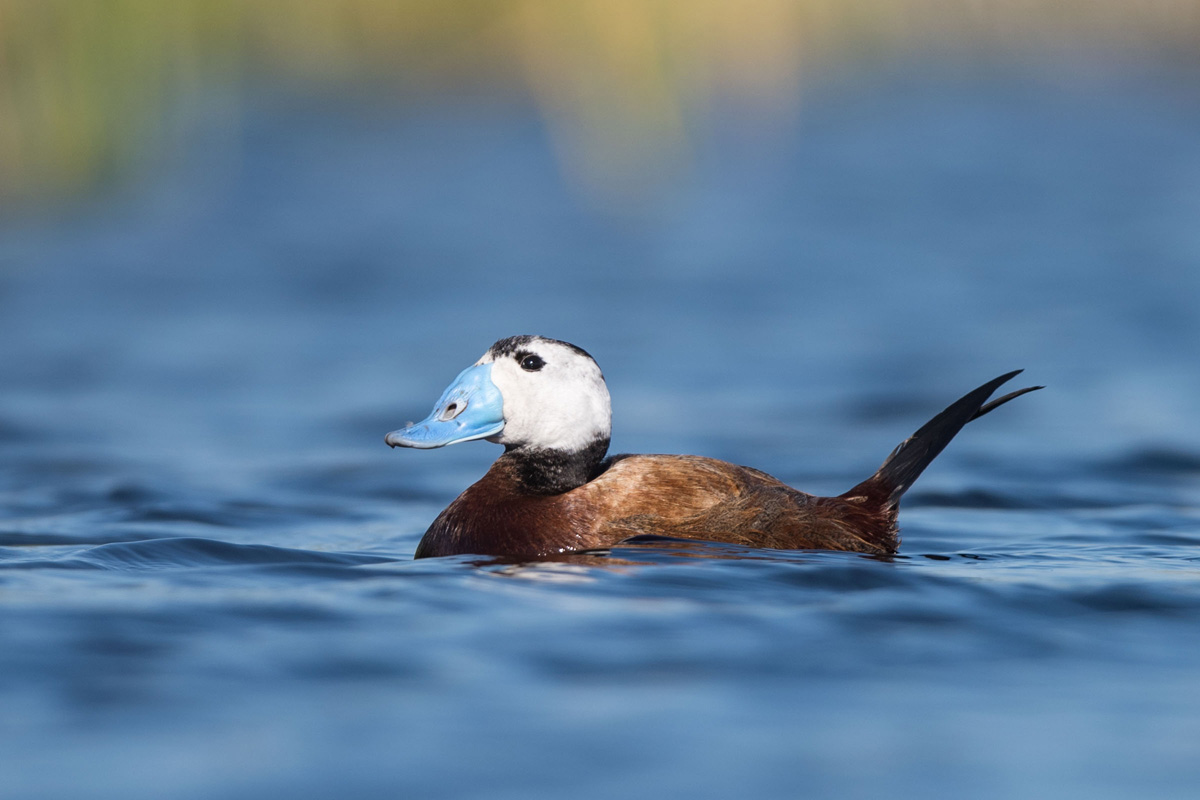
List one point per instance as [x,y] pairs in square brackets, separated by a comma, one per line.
[532,363]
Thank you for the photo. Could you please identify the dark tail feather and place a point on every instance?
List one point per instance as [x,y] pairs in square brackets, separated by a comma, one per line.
[914,454]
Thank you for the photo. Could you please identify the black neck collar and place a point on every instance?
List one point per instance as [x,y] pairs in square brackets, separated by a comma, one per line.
[541,471]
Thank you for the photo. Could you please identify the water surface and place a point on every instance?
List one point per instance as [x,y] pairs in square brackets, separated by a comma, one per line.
[206,580]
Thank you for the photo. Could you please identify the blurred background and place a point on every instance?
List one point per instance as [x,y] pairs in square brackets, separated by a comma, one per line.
[96,94]
[100,93]
[241,241]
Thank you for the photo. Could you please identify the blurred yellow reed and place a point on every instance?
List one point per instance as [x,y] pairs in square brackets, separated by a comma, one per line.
[90,89]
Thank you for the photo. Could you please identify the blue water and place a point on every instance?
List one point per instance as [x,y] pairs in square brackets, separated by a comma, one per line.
[206,584]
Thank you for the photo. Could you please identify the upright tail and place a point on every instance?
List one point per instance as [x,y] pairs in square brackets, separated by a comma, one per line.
[882,490]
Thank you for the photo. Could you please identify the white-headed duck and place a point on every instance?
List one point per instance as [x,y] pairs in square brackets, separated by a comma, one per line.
[554,492]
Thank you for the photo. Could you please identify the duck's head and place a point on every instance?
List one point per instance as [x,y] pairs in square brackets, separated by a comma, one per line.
[525,392]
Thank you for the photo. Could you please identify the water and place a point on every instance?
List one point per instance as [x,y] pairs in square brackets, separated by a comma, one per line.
[205,548]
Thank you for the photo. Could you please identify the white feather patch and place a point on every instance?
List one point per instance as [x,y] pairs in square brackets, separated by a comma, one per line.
[563,406]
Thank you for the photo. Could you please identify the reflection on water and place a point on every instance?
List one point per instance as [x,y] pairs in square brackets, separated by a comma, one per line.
[206,584]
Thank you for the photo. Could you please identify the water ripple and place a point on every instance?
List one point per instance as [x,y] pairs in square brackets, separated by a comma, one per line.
[190,552]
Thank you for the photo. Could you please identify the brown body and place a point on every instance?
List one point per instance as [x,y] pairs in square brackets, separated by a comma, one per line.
[686,497]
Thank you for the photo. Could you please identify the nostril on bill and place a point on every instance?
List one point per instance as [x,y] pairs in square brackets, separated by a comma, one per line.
[452,410]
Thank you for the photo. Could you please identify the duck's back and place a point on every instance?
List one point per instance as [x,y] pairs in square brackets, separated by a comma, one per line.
[702,498]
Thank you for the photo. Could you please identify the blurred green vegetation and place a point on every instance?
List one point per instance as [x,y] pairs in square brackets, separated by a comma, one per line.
[92,89]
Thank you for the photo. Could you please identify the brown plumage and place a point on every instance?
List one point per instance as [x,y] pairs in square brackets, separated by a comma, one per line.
[540,500]
[687,497]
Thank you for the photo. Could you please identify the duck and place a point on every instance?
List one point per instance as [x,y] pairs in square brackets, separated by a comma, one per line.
[555,490]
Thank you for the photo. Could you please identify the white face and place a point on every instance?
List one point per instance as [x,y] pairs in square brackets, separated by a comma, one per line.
[554,395]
